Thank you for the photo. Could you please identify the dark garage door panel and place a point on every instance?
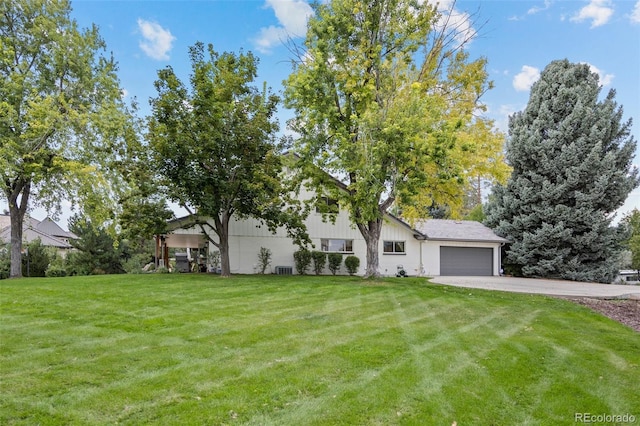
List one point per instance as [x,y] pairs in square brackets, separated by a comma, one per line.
[466,261]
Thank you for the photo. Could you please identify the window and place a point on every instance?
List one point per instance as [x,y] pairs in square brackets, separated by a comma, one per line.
[393,247]
[341,246]
[327,205]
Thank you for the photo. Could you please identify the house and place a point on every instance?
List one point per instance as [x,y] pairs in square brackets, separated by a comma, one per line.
[49,233]
[429,248]
[628,276]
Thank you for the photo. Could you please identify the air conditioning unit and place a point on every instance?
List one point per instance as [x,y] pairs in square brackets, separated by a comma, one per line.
[284,270]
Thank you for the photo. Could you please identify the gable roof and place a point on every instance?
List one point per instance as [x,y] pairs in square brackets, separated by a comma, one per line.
[434,229]
[457,230]
[28,222]
[49,227]
[32,234]
[424,229]
[33,229]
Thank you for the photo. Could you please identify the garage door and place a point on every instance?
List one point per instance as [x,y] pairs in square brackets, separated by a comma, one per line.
[466,261]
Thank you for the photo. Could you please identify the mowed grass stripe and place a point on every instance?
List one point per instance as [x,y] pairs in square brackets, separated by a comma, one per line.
[197,349]
[414,371]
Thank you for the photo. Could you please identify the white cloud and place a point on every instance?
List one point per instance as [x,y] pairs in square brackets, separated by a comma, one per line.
[157,41]
[532,11]
[605,79]
[270,36]
[525,78]
[536,9]
[502,116]
[635,15]
[292,17]
[459,22]
[292,14]
[598,11]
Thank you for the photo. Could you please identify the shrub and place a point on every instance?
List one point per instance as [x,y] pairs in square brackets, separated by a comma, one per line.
[5,261]
[352,263]
[214,261]
[302,259]
[75,264]
[36,259]
[319,260]
[264,259]
[57,267]
[136,262]
[335,260]
[56,271]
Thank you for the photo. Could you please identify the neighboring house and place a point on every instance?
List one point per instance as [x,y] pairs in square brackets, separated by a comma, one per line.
[432,247]
[49,233]
[628,276]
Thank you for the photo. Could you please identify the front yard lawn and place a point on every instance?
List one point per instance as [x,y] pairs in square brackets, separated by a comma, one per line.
[272,350]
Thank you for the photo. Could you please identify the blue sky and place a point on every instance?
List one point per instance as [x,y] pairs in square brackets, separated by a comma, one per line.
[518,38]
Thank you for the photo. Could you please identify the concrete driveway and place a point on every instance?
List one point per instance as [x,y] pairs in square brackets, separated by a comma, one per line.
[540,286]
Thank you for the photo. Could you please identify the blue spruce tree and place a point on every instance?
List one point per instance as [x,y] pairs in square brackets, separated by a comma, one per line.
[571,155]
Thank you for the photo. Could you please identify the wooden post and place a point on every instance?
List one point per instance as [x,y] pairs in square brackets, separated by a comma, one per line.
[156,260]
[165,253]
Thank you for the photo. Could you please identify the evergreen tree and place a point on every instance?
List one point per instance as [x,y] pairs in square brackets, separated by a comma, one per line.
[571,155]
[97,251]
[36,259]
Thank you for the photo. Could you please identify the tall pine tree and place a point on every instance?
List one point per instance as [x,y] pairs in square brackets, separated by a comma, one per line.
[571,155]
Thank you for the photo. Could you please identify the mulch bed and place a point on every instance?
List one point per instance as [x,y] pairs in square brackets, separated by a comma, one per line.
[625,311]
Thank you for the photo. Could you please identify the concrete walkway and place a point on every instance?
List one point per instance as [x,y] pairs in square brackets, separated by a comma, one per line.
[548,287]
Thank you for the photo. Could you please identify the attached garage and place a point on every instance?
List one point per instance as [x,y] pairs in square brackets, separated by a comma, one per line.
[466,261]
[459,248]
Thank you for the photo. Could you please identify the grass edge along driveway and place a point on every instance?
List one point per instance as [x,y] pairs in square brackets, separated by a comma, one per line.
[272,350]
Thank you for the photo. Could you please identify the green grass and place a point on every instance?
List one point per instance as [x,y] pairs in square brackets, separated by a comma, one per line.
[267,350]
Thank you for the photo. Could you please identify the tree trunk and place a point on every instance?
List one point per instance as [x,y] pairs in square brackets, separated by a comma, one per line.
[371,233]
[225,265]
[222,225]
[16,245]
[17,210]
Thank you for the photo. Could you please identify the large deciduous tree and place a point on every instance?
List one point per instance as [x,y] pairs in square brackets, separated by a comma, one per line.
[571,155]
[144,210]
[454,189]
[381,90]
[63,125]
[215,146]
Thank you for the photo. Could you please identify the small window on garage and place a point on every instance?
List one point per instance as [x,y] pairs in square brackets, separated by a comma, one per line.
[335,245]
[393,247]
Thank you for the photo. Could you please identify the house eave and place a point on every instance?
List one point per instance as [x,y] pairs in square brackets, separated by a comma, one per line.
[467,240]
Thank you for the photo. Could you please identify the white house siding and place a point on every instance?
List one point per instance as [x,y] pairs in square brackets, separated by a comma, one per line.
[245,241]
[246,238]
[410,260]
[421,257]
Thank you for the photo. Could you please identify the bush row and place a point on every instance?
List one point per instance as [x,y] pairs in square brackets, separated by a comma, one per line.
[304,259]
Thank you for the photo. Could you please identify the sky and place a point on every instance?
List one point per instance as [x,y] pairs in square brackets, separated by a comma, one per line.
[517,37]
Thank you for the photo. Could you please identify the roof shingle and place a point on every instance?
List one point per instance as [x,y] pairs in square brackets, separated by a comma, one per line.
[457,230]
